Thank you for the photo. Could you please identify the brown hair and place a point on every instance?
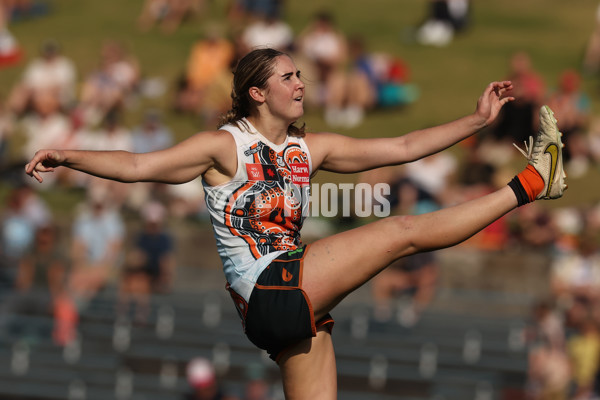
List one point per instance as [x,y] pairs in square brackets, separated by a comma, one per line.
[254,69]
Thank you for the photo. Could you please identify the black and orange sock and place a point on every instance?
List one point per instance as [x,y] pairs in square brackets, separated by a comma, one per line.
[527,185]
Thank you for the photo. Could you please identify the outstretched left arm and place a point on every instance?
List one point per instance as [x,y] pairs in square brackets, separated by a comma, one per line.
[344,154]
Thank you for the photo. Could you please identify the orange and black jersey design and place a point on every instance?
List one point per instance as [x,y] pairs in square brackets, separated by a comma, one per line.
[266,210]
[258,214]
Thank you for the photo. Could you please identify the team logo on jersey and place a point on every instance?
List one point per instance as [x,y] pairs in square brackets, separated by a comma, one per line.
[286,275]
[262,172]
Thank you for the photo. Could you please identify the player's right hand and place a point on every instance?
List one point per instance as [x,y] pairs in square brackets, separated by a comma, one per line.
[44,161]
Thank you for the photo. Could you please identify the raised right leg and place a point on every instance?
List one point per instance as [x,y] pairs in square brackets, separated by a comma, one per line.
[339,264]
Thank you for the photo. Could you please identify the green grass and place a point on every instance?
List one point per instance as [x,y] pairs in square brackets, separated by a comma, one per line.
[450,79]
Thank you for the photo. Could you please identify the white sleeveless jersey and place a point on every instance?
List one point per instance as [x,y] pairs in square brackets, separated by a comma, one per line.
[258,214]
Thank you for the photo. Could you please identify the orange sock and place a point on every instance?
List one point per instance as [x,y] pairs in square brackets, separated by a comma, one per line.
[531,181]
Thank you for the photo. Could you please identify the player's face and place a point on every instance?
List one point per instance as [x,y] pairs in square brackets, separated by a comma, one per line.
[285,90]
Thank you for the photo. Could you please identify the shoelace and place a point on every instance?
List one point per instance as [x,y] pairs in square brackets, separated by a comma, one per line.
[528,152]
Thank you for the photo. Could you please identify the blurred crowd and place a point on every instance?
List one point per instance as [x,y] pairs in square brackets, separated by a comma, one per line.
[56,269]
[564,335]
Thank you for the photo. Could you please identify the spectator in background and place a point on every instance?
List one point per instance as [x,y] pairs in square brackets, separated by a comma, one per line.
[98,235]
[534,228]
[571,104]
[518,121]
[584,351]
[187,200]
[576,272]
[414,277]
[408,198]
[150,264]
[40,281]
[325,46]
[571,107]
[547,325]
[203,382]
[267,31]
[444,19]
[351,91]
[475,175]
[209,58]
[41,277]
[23,9]
[474,178]
[242,11]
[110,85]
[121,67]
[205,86]
[548,374]
[434,174]
[7,126]
[32,206]
[591,58]
[112,135]
[549,370]
[24,213]
[51,74]
[369,80]
[152,134]
[46,123]
[392,79]
[168,14]
[10,51]
[593,139]
[256,387]
[569,223]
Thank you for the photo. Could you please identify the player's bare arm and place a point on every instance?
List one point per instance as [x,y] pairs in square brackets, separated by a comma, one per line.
[344,154]
[200,154]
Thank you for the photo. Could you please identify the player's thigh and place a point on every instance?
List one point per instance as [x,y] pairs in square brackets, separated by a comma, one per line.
[337,265]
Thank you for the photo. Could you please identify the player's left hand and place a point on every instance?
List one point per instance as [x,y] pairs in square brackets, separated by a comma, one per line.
[492,100]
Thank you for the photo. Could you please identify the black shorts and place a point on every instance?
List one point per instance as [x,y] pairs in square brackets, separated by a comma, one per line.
[279,313]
